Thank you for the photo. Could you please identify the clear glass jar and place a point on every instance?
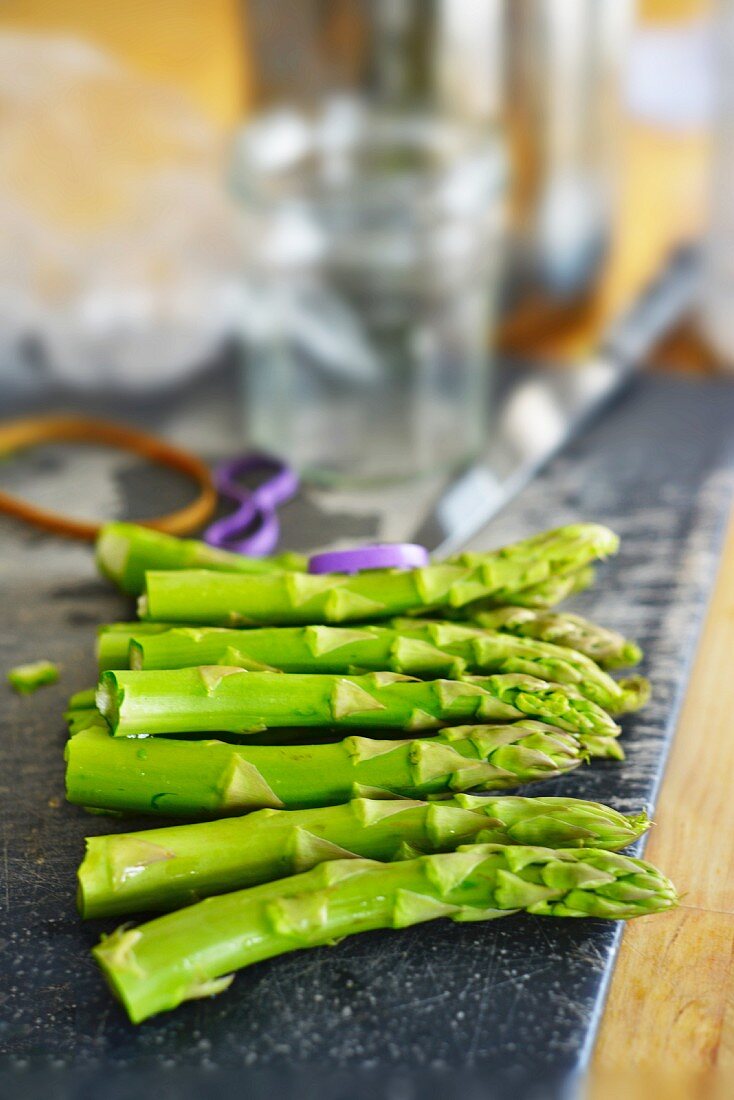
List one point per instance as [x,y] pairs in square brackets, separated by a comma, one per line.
[372,267]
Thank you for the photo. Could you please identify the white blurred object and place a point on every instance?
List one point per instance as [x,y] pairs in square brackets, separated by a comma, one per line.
[117,242]
[717,302]
[668,78]
[548,71]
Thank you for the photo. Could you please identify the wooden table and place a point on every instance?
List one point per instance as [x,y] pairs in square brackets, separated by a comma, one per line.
[668,1028]
[671,1004]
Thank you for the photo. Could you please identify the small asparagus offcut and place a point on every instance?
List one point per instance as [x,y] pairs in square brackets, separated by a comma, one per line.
[124,551]
[219,698]
[608,648]
[26,679]
[192,952]
[175,866]
[419,648]
[271,599]
[210,778]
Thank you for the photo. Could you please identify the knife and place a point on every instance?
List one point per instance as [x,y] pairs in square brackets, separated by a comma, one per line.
[539,410]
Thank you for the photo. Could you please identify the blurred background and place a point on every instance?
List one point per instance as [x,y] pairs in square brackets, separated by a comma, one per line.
[371,212]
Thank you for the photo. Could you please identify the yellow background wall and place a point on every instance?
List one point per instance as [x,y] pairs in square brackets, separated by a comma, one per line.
[199,45]
[195,44]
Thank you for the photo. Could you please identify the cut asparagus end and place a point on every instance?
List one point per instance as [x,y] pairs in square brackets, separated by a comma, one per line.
[108,697]
[112,553]
[135,656]
[143,606]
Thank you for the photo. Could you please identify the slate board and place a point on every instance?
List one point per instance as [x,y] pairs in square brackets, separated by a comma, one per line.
[506,1008]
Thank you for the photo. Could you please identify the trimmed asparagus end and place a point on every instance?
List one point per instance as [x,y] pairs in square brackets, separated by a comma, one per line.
[135,656]
[112,552]
[108,697]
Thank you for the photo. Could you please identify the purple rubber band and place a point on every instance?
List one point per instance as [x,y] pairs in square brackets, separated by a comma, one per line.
[282,485]
[256,507]
[391,555]
[228,533]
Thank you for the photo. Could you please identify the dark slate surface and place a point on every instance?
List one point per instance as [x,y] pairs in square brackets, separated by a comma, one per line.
[506,1008]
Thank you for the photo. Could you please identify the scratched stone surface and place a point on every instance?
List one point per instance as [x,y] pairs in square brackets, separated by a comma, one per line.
[506,1008]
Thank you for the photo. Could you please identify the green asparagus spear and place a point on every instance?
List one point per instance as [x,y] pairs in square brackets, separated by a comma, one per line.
[124,551]
[608,648]
[190,953]
[82,700]
[82,713]
[113,641]
[212,779]
[419,648]
[26,679]
[290,598]
[178,865]
[217,698]
[84,719]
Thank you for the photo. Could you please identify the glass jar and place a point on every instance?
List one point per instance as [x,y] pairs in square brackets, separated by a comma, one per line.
[371,268]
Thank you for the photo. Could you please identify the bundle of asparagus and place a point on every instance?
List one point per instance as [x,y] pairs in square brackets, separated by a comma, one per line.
[370,830]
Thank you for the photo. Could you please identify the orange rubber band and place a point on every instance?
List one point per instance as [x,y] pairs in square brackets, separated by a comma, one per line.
[17,435]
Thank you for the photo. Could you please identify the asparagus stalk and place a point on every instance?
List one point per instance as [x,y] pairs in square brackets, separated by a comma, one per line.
[600,746]
[82,700]
[424,649]
[178,865]
[191,953]
[82,713]
[113,641]
[210,778]
[608,648]
[291,598]
[217,698]
[84,719]
[124,551]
